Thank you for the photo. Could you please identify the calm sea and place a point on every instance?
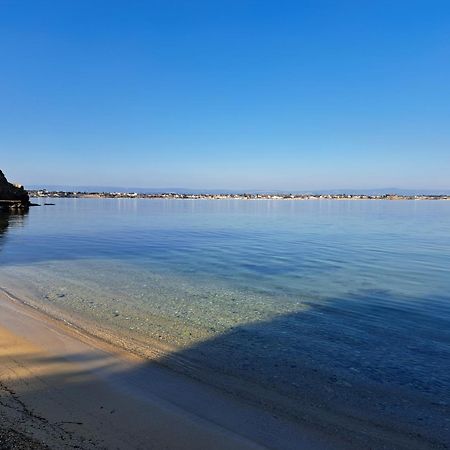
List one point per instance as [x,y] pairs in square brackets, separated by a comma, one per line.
[319,298]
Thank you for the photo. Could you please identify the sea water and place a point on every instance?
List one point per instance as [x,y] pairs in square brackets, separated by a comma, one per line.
[320,297]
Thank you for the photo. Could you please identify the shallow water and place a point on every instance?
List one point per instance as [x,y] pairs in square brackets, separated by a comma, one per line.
[270,291]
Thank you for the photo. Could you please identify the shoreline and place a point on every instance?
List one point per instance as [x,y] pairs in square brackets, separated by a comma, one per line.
[316,429]
[51,370]
[44,194]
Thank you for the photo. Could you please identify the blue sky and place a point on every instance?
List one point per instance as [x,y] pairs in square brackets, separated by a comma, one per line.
[226,94]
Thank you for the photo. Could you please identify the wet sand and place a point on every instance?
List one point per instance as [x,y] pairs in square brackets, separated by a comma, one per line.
[63,389]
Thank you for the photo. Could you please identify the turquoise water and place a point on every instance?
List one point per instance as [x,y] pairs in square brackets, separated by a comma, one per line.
[286,294]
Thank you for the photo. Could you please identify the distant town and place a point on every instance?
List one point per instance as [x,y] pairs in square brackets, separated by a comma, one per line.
[43,193]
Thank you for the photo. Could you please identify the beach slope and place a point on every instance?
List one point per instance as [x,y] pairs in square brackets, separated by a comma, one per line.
[62,389]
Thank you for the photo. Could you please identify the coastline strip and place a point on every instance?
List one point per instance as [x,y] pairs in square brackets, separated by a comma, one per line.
[62,388]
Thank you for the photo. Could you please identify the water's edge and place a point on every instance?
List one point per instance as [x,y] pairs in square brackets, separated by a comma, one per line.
[362,426]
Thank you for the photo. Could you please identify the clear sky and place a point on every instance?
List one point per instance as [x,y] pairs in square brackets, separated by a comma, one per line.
[226,94]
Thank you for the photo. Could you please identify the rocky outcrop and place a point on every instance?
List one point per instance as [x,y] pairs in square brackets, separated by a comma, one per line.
[11,195]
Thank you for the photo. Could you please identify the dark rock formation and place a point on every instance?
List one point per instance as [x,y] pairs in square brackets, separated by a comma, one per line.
[12,196]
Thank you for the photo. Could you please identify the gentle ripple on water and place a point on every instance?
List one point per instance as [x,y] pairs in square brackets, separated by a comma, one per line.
[266,290]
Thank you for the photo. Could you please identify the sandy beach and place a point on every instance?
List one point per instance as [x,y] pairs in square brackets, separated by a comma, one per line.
[62,389]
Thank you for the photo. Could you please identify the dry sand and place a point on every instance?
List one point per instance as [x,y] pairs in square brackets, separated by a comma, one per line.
[62,389]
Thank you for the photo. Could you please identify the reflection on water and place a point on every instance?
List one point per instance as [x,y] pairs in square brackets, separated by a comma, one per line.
[10,219]
[331,303]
